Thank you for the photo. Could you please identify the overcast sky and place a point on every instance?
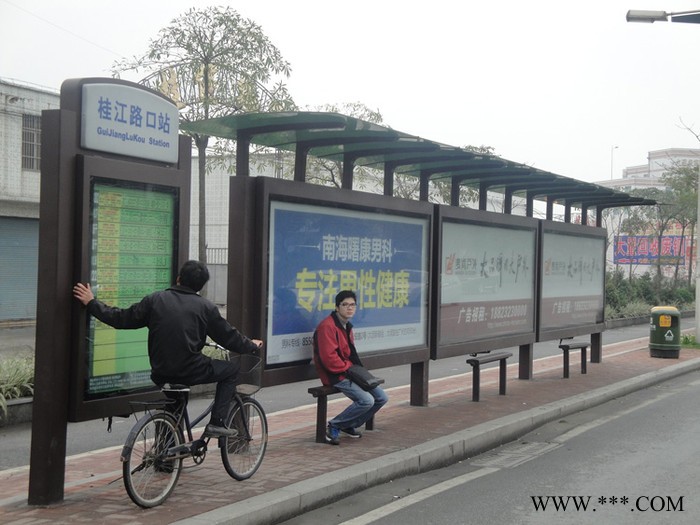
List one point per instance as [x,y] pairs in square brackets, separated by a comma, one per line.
[554,84]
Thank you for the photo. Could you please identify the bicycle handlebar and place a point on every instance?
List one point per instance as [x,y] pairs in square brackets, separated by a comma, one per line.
[213,344]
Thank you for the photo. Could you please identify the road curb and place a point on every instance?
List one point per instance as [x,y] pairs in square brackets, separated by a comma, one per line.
[300,497]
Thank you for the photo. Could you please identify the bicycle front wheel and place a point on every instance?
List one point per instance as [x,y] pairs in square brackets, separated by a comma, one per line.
[151,465]
[243,454]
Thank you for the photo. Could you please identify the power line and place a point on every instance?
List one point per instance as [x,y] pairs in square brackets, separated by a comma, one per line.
[63,29]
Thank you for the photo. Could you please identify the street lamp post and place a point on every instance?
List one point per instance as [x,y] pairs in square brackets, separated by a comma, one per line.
[612,150]
[688,17]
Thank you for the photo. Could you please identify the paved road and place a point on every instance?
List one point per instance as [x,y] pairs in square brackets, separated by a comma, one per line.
[630,461]
[92,435]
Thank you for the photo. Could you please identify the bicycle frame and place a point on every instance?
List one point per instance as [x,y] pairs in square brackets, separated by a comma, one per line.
[152,467]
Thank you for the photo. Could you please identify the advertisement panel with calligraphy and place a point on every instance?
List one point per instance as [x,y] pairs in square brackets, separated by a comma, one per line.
[573,280]
[317,251]
[487,281]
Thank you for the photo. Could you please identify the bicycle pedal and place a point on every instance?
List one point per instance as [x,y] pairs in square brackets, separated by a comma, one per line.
[199,447]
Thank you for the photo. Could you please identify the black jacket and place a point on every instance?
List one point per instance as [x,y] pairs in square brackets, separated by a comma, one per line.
[178,321]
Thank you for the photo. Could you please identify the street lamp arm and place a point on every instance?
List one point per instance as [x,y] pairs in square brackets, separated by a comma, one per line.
[637,15]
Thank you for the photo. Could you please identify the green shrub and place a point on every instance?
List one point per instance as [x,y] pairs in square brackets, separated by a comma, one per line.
[682,296]
[688,340]
[634,296]
[634,309]
[644,289]
[16,380]
[611,313]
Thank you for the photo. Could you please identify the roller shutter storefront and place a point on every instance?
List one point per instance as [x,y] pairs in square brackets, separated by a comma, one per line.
[19,263]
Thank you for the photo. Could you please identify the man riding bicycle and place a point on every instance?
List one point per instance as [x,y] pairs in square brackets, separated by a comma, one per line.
[179,321]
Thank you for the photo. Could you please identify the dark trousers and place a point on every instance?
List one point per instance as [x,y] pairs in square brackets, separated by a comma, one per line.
[223,373]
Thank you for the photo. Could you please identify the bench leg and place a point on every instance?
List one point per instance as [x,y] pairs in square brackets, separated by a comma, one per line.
[584,358]
[502,378]
[566,363]
[321,414]
[475,382]
[369,424]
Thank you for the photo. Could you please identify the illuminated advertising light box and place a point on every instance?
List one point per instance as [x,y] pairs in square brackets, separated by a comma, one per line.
[487,280]
[132,249]
[316,251]
[572,280]
[131,237]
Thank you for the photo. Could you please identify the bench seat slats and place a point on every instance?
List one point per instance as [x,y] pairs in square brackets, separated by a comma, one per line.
[574,345]
[489,357]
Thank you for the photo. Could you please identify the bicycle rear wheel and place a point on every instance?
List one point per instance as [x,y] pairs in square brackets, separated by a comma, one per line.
[150,471]
[243,454]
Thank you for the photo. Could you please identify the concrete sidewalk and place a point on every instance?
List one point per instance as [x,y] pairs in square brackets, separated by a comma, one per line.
[299,474]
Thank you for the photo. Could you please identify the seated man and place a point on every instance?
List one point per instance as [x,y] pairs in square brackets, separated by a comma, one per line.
[334,353]
[179,321]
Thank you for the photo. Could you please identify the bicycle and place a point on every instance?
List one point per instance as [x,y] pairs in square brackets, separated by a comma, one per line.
[155,448]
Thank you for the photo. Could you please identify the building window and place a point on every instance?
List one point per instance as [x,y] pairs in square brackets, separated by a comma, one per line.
[31,142]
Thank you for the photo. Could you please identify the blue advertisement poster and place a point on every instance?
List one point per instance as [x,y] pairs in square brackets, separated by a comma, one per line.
[647,250]
[317,251]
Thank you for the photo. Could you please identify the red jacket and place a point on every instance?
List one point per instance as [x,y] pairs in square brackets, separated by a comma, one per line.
[334,349]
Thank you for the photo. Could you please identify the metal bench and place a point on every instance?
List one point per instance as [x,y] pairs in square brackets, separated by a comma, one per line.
[321,393]
[574,345]
[479,359]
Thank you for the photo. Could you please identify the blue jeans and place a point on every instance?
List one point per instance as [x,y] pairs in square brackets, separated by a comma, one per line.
[364,405]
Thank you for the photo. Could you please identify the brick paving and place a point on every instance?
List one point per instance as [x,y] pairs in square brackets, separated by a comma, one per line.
[94,492]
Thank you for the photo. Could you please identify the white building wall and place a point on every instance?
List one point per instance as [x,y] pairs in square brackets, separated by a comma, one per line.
[217,199]
[659,162]
[19,189]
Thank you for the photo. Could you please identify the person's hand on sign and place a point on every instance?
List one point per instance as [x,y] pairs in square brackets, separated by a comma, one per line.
[83,293]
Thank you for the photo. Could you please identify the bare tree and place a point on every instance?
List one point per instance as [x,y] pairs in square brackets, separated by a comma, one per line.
[213,62]
[328,172]
[682,179]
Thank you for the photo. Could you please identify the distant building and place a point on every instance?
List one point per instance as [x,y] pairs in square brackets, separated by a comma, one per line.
[649,175]
[20,143]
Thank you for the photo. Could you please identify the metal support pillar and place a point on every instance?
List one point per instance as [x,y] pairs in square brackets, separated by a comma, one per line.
[242,155]
[526,360]
[300,163]
[597,347]
[419,384]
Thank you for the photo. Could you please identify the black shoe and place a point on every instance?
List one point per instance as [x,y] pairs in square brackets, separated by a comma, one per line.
[332,435]
[212,431]
[351,432]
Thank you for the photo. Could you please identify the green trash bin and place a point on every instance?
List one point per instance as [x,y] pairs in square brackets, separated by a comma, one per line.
[665,332]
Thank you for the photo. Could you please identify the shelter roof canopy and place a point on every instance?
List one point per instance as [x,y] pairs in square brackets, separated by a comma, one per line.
[343,138]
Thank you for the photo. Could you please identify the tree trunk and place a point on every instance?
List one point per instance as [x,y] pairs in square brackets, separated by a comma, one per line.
[659,239]
[678,259]
[201,143]
[692,254]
